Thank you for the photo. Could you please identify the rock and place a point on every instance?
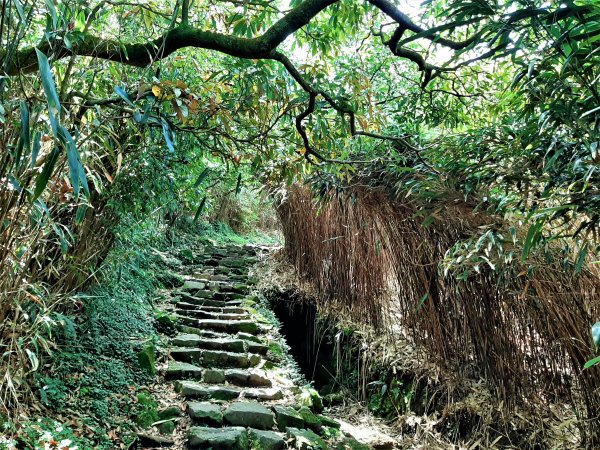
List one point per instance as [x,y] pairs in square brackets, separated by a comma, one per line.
[206,413]
[264,394]
[231,438]
[287,417]
[193,340]
[191,389]
[213,358]
[178,369]
[188,355]
[170,412]
[151,440]
[305,439]
[265,440]
[235,262]
[213,376]
[249,414]
[260,349]
[328,422]
[246,378]
[193,285]
[311,421]
[166,427]
[146,359]
[248,337]
[228,326]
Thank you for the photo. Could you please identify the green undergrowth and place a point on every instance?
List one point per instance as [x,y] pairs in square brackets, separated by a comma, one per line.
[218,233]
[93,388]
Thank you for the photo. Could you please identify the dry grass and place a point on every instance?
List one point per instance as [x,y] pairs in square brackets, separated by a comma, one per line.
[525,332]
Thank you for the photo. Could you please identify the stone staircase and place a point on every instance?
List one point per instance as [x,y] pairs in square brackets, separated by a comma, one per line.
[226,362]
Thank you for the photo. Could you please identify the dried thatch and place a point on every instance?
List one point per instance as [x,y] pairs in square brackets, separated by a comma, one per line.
[525,331]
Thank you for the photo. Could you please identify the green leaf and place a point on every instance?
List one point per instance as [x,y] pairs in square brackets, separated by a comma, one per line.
[202,177]
[37,143]
[25,139]
[44,176]
[168,134]
[199,210]
[19,7]
[592,362]
[49,90]
[124,95]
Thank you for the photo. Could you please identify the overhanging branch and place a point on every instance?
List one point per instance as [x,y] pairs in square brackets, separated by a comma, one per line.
[143,54]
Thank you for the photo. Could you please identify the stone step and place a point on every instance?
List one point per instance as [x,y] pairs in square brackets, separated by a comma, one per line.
[196,301]
[227,296]
[249,414]
[195,390]
[178,369]
[195,341]
[193,285]
[200,314]
[226,326]
[229,438]
[266,394]
[247,378]
[215,358]
[205,413]
[216,309]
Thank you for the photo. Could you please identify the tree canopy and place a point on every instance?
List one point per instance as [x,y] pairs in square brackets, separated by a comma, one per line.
[145,106]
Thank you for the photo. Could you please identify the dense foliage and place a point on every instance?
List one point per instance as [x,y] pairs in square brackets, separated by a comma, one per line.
[127,110]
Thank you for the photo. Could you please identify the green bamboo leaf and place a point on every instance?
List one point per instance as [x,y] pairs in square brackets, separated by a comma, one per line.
[25,138]
[44,176]
[592,362]
[124,95]
[202,177]
[37,143]
[199,210]
[49,90]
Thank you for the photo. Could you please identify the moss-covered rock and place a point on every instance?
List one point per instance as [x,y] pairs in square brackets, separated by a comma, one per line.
[146,358]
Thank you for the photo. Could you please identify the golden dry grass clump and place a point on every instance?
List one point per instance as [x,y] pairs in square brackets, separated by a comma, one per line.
[524,327]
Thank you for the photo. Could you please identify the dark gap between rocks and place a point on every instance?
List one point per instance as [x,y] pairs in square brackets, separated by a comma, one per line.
[310,340]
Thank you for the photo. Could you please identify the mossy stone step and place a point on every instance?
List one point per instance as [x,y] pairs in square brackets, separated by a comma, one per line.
[286,417]
[247,378]
[230,438]
[195,313]
[209,334]
[227,326]
[198,301]
[193,285]
[228,296]
[192,340]
[178,369]
[248,337]
[202,294]
[217,309]
[254,347]
[305,439]
[237,262]
[265,440]
[194,390]
[265,394]
[205,413]
[215,358]
[249,414]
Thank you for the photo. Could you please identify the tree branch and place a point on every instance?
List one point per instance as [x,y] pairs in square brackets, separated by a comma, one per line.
[143,54]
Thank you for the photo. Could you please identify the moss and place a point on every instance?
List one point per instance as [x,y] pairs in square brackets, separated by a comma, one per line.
[147,410]
[147,360]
